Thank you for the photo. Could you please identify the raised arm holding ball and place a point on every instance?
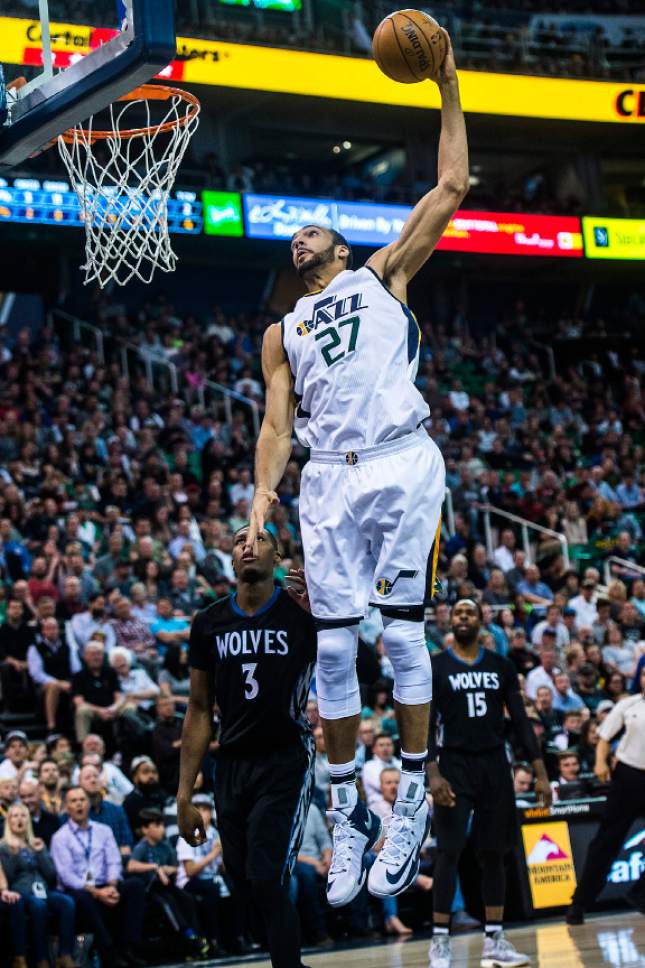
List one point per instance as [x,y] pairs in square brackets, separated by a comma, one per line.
[340,369]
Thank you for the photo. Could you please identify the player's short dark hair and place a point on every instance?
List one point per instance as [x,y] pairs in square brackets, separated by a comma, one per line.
[471,601]
[339,239]
[272,538]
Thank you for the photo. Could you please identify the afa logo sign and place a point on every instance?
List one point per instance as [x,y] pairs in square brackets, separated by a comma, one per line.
[385,587]
[629,867]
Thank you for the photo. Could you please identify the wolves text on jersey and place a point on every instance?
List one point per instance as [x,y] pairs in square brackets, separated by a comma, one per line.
[250,641]
[330,310]
[474,680]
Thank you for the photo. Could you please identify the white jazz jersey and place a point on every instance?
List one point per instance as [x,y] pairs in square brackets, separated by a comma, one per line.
[353,350]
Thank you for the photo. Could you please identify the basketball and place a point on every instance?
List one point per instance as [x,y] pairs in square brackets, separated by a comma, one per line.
[409,46]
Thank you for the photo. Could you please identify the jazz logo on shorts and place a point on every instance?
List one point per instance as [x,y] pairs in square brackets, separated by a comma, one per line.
[385,587]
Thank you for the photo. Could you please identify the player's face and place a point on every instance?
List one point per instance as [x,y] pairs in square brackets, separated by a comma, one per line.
[255,565]
[465,622]
[311,248]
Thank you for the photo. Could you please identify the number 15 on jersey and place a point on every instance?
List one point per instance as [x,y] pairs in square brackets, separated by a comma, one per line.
[476,704]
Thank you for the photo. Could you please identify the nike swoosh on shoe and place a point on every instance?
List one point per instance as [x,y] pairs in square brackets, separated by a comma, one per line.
[396,877]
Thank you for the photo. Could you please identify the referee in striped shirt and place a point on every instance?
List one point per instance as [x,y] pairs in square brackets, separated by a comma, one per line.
[625,802]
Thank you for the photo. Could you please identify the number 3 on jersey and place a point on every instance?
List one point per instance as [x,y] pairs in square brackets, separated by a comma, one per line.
[336,339]
[251,684]
[476,704]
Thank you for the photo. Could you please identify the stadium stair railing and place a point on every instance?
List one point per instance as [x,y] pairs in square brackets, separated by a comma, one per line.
[625,563]
[159,372]
[525,526]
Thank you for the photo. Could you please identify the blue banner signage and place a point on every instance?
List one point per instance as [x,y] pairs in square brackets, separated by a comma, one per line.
[362,223]
[28,200]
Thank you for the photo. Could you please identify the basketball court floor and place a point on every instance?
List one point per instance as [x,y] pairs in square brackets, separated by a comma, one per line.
[610,940]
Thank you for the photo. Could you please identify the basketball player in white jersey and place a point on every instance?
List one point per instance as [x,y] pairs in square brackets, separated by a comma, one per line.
[341,369]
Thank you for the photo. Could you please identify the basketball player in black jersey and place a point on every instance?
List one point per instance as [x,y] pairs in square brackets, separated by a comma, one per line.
[470,775]
[254,652]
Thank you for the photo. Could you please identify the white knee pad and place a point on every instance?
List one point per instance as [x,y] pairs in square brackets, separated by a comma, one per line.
[336,679]
[405,645]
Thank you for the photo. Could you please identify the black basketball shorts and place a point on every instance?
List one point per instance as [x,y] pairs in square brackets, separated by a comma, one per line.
[262,801]
[483,787]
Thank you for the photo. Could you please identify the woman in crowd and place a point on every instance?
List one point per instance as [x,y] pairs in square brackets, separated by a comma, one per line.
[30,872]
[574,525]
[615,686]
[587,745]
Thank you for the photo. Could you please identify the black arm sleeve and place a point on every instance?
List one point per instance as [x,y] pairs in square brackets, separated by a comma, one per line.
[517,712]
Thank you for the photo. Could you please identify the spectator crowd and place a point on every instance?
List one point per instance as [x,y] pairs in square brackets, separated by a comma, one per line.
[118,501]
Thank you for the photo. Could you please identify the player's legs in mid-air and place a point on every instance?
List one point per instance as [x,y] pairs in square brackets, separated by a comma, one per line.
[369,522]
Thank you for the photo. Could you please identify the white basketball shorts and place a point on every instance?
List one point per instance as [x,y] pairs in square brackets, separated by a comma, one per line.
[369,520]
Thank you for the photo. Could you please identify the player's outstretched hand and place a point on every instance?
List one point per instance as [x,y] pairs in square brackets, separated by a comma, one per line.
[190,823]
[262,501]
[448,70]
[543,791]
[297,588]
[443,794]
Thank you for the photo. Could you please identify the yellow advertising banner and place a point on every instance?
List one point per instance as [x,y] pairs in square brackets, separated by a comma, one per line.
[549,861]
[614,238]
[283,71]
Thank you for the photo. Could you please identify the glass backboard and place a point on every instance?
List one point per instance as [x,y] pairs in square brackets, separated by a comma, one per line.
[38,111]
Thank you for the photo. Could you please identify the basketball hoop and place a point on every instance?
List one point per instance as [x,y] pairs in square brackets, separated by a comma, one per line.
[123,175]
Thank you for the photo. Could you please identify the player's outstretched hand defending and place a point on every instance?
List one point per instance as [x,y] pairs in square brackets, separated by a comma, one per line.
[262,501]
[297,588]
[190,823]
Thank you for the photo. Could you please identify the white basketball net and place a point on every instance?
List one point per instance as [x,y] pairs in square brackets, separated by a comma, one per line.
[123,184]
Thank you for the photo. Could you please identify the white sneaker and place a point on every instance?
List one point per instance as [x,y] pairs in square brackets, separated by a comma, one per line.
[499,953]
[353,836]
[397,865]
[440,954]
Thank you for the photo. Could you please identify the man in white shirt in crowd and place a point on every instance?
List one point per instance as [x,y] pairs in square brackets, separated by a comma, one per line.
[522,781]
[503,555]
[243,489]
[555,621]
[585,604]
[16,752]
[82,627]
[136,686]
[543,675]
[382,757]
[115,782]
[568,770]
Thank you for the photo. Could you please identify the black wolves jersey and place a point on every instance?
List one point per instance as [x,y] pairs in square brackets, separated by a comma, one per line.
[261,666]
[468,704]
